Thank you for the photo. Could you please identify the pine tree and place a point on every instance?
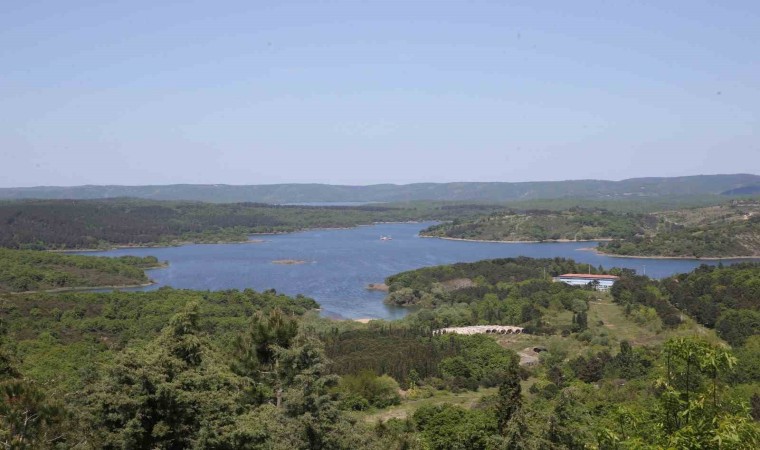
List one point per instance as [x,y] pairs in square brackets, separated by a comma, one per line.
[509,400]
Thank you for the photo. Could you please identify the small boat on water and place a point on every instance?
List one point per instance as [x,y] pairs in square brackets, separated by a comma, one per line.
[386,238]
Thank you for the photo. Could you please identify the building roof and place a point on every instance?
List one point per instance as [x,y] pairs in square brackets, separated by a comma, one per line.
[589,276]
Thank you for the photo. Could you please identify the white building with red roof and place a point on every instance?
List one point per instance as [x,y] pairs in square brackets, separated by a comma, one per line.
[600,282]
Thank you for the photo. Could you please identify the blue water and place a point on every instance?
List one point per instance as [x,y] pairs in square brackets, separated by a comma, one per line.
[341,263]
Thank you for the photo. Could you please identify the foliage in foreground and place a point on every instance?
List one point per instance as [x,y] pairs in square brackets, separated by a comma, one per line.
[187,369]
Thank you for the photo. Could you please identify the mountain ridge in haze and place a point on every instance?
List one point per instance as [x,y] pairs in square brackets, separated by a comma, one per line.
[649,187]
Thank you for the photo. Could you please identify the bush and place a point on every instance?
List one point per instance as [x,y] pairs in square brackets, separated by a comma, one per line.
[378,391]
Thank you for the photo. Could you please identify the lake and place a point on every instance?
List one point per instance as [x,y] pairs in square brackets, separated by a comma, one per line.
[341,263]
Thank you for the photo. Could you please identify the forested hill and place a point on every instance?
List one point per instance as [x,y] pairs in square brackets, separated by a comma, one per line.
[542,225]
[713,232]
[78,224]
[698,185]
[718,231]
[28,270]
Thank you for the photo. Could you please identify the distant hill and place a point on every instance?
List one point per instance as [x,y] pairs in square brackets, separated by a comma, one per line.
[753,189]
[491,191]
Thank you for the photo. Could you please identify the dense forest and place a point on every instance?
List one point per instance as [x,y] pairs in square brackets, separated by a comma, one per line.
[242,369]
[29,270]
[57,224]
[718,231]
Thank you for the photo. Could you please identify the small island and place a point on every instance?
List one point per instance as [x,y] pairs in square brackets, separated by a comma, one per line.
[289,262]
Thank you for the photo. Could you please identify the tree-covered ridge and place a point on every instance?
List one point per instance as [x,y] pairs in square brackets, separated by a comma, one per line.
[541,225]
[699,185]
[29,270]
[57,224]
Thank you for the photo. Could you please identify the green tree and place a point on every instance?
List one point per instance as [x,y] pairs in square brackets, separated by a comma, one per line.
[736,325]
[509,401]
[177,392]
[28,419]
[256,353]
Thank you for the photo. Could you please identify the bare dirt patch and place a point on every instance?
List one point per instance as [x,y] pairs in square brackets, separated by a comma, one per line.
[458,283]
[382,287]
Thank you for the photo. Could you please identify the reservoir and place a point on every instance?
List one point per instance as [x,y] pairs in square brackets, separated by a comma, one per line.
[335,266]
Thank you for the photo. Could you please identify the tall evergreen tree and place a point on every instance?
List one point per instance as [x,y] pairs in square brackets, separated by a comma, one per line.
[174,393]
[509,400]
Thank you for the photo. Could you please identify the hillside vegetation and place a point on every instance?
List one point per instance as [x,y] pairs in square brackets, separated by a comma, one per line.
[711,232]
[717,231]
[542,225]
[29,270]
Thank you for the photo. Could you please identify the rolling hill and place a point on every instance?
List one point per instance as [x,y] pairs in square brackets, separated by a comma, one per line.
[634,188]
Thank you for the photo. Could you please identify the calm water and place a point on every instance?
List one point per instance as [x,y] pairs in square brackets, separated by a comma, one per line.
[341,263]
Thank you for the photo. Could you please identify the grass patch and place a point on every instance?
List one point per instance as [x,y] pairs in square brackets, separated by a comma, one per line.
[466,399]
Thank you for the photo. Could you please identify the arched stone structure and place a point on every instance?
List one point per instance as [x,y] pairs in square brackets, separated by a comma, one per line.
[480,329]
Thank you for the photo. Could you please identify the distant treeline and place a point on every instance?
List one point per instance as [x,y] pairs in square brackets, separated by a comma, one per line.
[79,224]
[27,270]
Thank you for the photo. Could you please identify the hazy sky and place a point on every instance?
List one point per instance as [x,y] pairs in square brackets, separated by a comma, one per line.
[248,92]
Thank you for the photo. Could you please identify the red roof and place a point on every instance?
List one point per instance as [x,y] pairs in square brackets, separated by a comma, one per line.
[585,275]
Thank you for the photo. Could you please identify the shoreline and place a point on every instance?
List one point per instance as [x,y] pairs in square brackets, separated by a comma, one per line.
[83,288]
[547,241]
[178,244]
[594,249]
[247,241]
[691,258]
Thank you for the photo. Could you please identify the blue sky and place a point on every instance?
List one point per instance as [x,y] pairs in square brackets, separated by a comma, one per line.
[249,92]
